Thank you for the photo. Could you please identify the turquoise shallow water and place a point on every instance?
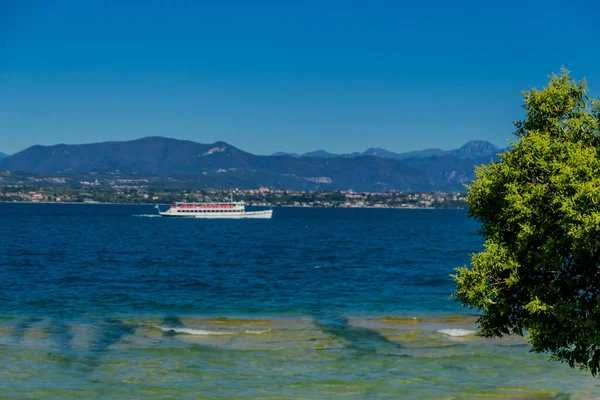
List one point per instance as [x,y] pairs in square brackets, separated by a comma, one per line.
[105,302]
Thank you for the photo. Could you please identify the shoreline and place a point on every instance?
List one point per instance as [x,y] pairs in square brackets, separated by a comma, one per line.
[286,206]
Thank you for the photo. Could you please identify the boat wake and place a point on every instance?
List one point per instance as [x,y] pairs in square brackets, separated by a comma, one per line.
[147,216]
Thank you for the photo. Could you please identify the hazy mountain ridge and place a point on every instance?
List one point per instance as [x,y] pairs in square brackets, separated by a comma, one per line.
[3,155]
[223,165]
[471,150]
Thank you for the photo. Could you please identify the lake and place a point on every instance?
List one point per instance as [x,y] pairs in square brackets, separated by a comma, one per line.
[111,301]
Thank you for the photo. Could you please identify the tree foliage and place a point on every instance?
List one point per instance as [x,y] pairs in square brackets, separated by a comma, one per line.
[539,208]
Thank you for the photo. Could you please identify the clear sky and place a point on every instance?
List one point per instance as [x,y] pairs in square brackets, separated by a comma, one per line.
[279,75]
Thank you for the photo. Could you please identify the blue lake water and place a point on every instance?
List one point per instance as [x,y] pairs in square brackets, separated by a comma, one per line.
[109,301]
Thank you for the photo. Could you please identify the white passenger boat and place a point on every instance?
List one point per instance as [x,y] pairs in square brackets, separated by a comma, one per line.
[232,210]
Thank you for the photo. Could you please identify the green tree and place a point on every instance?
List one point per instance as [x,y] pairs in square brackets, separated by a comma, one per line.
[539,208]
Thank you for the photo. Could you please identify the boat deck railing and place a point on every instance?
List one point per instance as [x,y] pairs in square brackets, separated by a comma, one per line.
[225,203]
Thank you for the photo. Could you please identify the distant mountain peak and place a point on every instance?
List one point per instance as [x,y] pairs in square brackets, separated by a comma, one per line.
[378,152]
[474,144]
[320,154]
[470,150]
[476,149]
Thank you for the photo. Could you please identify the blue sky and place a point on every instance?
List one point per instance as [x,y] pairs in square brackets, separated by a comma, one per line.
[279,75]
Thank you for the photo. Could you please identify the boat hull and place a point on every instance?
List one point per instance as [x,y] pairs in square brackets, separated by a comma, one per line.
[264,214]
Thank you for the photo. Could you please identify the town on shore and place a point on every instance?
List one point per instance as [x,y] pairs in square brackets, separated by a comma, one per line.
[262,197]
[127,189]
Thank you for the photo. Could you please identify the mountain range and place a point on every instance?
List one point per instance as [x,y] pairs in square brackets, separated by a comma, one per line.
[223,165]
[2,155]
[472,150]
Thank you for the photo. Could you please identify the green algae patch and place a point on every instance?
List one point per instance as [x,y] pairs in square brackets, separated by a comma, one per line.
[454,319]
[401,320]
[515,395]
[435,319]
[6,330]
[60,358]
[236,321]
[529,392]
[36,333]
[418,339]
[149,332]
[409,381]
